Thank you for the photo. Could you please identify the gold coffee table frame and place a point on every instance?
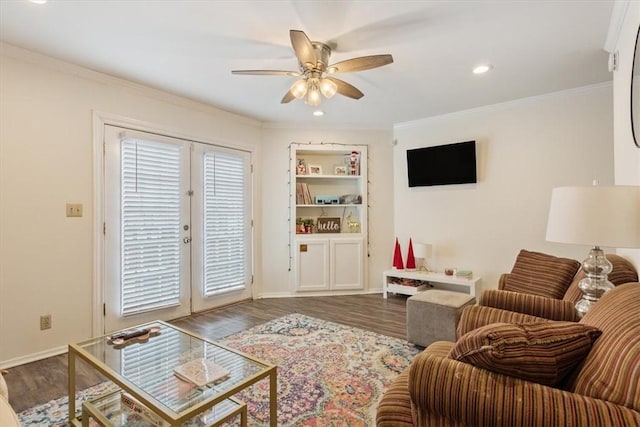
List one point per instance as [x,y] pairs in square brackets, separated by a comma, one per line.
[174,408]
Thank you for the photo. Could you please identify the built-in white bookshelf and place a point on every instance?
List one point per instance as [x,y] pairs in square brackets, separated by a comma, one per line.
[328,188]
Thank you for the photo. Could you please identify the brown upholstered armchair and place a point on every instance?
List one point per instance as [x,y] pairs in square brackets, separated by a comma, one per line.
[540,286]
[602,388]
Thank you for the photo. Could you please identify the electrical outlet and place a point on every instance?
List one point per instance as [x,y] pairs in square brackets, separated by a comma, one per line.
[45,322]
[74,209]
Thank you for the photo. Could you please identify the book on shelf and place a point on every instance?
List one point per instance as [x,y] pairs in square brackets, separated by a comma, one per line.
[137,407]
[130,411]
[201,372]
[303,195]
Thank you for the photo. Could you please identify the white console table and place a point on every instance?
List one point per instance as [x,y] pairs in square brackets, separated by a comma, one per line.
[429,279]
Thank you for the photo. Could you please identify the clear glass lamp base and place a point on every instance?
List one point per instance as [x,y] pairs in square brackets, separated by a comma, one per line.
[597,267]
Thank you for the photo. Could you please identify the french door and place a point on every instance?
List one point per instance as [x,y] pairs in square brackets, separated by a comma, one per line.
[177,228]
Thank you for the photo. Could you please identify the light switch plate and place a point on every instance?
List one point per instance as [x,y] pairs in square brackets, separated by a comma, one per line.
[74,209]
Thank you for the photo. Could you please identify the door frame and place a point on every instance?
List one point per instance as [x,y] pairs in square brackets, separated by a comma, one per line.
[100,119]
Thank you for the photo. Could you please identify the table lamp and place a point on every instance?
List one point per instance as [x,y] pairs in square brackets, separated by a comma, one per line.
[597,216]
[422,251]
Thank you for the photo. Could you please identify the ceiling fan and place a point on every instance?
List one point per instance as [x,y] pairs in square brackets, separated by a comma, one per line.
[315,71]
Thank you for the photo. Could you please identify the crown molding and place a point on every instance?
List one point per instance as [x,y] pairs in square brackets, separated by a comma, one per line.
[618,14]
[506,104]
[41,60]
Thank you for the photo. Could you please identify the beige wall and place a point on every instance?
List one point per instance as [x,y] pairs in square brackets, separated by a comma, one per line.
[46,160]
[627,155]
[525,148]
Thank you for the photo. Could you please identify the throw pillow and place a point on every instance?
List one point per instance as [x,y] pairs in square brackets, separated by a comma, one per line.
[542,352]
[541,274]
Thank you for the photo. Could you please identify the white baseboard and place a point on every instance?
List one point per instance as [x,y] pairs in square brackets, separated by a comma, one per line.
[5,364]
[316,293]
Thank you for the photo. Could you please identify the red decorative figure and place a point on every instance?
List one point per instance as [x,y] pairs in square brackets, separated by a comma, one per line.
[397,257]
[411,260]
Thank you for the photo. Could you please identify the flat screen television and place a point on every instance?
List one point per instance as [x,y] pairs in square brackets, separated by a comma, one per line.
[442,164]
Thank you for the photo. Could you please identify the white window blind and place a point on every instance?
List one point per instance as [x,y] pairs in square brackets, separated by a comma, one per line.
[224,223]
[150,225]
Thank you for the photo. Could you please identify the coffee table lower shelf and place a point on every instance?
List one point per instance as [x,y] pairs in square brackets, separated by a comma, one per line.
[111,410]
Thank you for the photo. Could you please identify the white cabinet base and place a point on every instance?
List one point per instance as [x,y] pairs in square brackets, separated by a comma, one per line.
[312,265]
[335,263]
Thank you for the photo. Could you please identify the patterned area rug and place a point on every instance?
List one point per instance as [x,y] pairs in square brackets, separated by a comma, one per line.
[328,374]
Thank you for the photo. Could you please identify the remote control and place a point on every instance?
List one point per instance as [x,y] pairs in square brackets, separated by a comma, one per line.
[128,334]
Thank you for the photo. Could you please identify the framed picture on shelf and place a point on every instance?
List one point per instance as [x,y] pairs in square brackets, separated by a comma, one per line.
[340,170]
[301,168]
[315,170]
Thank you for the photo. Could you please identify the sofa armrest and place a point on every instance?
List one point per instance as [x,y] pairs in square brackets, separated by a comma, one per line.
[466,395]
[503,280]
[535,305]
[475,316]
[8,417]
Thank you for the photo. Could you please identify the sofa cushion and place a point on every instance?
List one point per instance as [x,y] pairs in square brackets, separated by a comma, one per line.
[542,352]
[541,274]
[611,371]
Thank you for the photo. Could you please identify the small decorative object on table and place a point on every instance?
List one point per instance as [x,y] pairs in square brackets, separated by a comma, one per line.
[201,372]
[449,271]
[464,274]
[411,260]
[397,257]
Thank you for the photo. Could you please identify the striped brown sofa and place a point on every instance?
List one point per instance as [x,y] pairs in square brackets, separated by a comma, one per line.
[603,390]
[519,300]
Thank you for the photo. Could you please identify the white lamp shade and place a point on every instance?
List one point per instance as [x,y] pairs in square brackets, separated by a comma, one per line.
[422,250]
[596,216]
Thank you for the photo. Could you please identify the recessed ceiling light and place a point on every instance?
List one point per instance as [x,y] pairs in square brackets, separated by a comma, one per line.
[318,113]
[38,1]
[481,69]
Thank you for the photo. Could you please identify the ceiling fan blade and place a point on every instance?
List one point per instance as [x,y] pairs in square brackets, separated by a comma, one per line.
[361,63]
[266,72]
[303,48]
[346,89]
[288,97]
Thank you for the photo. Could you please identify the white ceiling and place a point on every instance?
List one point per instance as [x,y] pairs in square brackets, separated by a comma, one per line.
[189,48]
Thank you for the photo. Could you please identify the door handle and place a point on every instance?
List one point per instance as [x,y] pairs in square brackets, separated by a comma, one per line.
[187,240]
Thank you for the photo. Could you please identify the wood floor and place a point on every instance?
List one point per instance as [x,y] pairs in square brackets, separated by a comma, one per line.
[38,382]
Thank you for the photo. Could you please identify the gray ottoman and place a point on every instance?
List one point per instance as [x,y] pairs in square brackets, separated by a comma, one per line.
[433,315]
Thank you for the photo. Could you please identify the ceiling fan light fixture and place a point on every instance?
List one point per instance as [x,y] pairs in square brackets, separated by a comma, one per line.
[328,88]
[313,94]
[299,88]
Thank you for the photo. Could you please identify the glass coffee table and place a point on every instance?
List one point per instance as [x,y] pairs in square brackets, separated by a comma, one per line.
[143,372]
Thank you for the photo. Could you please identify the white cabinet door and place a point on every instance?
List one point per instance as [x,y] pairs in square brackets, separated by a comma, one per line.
[312,265]
[347,263]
